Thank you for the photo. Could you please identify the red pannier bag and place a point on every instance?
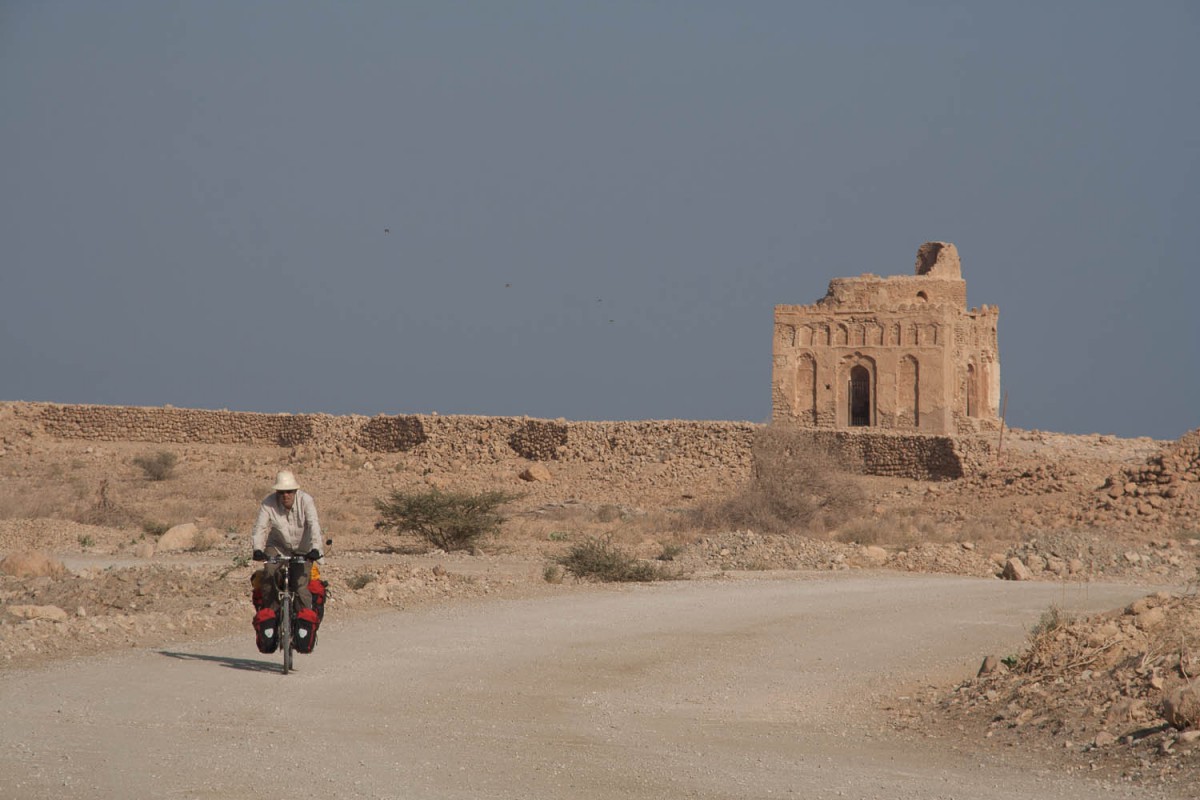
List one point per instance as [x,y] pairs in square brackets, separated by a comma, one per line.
[256,592]
[304,637]
[266,631]
[319,590]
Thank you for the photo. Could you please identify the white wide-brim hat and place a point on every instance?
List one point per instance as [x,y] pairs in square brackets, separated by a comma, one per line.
[285,481]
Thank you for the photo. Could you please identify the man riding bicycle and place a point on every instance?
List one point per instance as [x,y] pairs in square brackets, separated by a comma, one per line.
[287,526]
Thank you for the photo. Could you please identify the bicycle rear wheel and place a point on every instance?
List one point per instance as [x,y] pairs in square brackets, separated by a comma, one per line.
[285,631]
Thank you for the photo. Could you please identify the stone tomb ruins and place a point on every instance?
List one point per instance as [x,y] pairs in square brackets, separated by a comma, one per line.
[895,353]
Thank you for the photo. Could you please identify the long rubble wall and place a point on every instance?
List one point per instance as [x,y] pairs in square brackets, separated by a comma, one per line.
[477,438]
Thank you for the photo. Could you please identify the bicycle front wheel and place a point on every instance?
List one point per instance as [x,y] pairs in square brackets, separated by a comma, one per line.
[285,632]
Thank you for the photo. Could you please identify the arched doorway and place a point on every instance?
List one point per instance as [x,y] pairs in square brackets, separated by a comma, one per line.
[860,396]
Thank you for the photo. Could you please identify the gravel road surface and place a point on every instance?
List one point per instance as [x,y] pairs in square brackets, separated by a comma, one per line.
[760,686]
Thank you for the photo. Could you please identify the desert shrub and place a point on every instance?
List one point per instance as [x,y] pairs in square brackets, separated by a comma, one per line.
[670,551]
[597,558]
[866,531]
[105,511]
[552,573]
[158,467]
[154,527]
[205,541]
[1051,620]
[448,520]
[794,484]
[356,582]
[608,513]
[902,527]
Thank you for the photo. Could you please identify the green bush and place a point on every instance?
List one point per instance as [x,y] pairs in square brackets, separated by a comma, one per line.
[597,558]
[448,520]
[158,467]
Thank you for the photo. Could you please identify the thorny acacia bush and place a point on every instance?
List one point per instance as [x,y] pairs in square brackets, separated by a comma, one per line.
[597,558]
[158,467]
[794,485]
[448,520]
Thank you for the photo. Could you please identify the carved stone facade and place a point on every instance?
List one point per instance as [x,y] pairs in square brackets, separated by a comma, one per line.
[900,352]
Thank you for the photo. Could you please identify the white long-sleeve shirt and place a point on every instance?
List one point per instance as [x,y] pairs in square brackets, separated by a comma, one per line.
[292,532]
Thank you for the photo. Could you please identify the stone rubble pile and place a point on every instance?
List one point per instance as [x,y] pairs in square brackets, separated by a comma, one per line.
[1078,555]
[1166,488]
[746,550]
[1024,480]
[1114,691]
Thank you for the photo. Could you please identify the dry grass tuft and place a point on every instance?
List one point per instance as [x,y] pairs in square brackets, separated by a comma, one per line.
[159,466]
[795,486]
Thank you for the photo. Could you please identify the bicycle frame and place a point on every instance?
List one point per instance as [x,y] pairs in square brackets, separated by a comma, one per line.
[288,580]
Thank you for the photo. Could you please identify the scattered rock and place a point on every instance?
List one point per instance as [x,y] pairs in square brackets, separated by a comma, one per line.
[1015,570]
[52,613]
[180,537]
[874,555]
[990,665]
[535,473]
[32,564]
[1181,707]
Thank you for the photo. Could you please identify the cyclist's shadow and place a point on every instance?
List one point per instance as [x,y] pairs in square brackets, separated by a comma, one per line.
[248,664]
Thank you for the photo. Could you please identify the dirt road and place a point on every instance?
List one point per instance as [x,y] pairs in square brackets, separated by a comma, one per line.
[756,687]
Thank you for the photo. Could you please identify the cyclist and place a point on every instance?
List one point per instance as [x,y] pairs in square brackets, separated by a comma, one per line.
[287,525]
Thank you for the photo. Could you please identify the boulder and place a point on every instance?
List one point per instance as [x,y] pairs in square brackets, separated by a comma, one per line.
[536,473]
[1150,619]
[52,613]
[990,665]
[873,554]
[1181,707]
[1015,570]
[144,550]
[32,564]
[181,537]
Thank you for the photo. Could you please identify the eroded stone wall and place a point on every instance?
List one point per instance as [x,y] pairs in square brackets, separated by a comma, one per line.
[933,458]
[474,439]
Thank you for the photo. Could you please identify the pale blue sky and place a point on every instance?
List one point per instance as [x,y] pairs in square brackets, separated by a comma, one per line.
[593,207]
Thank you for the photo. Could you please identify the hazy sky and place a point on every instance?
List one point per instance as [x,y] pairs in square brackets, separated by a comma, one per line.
[587,210]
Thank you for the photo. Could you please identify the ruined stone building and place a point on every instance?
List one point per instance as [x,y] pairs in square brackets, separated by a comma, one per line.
[900,352]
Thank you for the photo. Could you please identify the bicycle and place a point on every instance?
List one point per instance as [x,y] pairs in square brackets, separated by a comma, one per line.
[288,579]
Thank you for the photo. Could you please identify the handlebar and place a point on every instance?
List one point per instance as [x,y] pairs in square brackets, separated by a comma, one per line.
[300,559]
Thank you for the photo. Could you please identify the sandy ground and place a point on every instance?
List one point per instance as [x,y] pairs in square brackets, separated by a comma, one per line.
[756,685]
